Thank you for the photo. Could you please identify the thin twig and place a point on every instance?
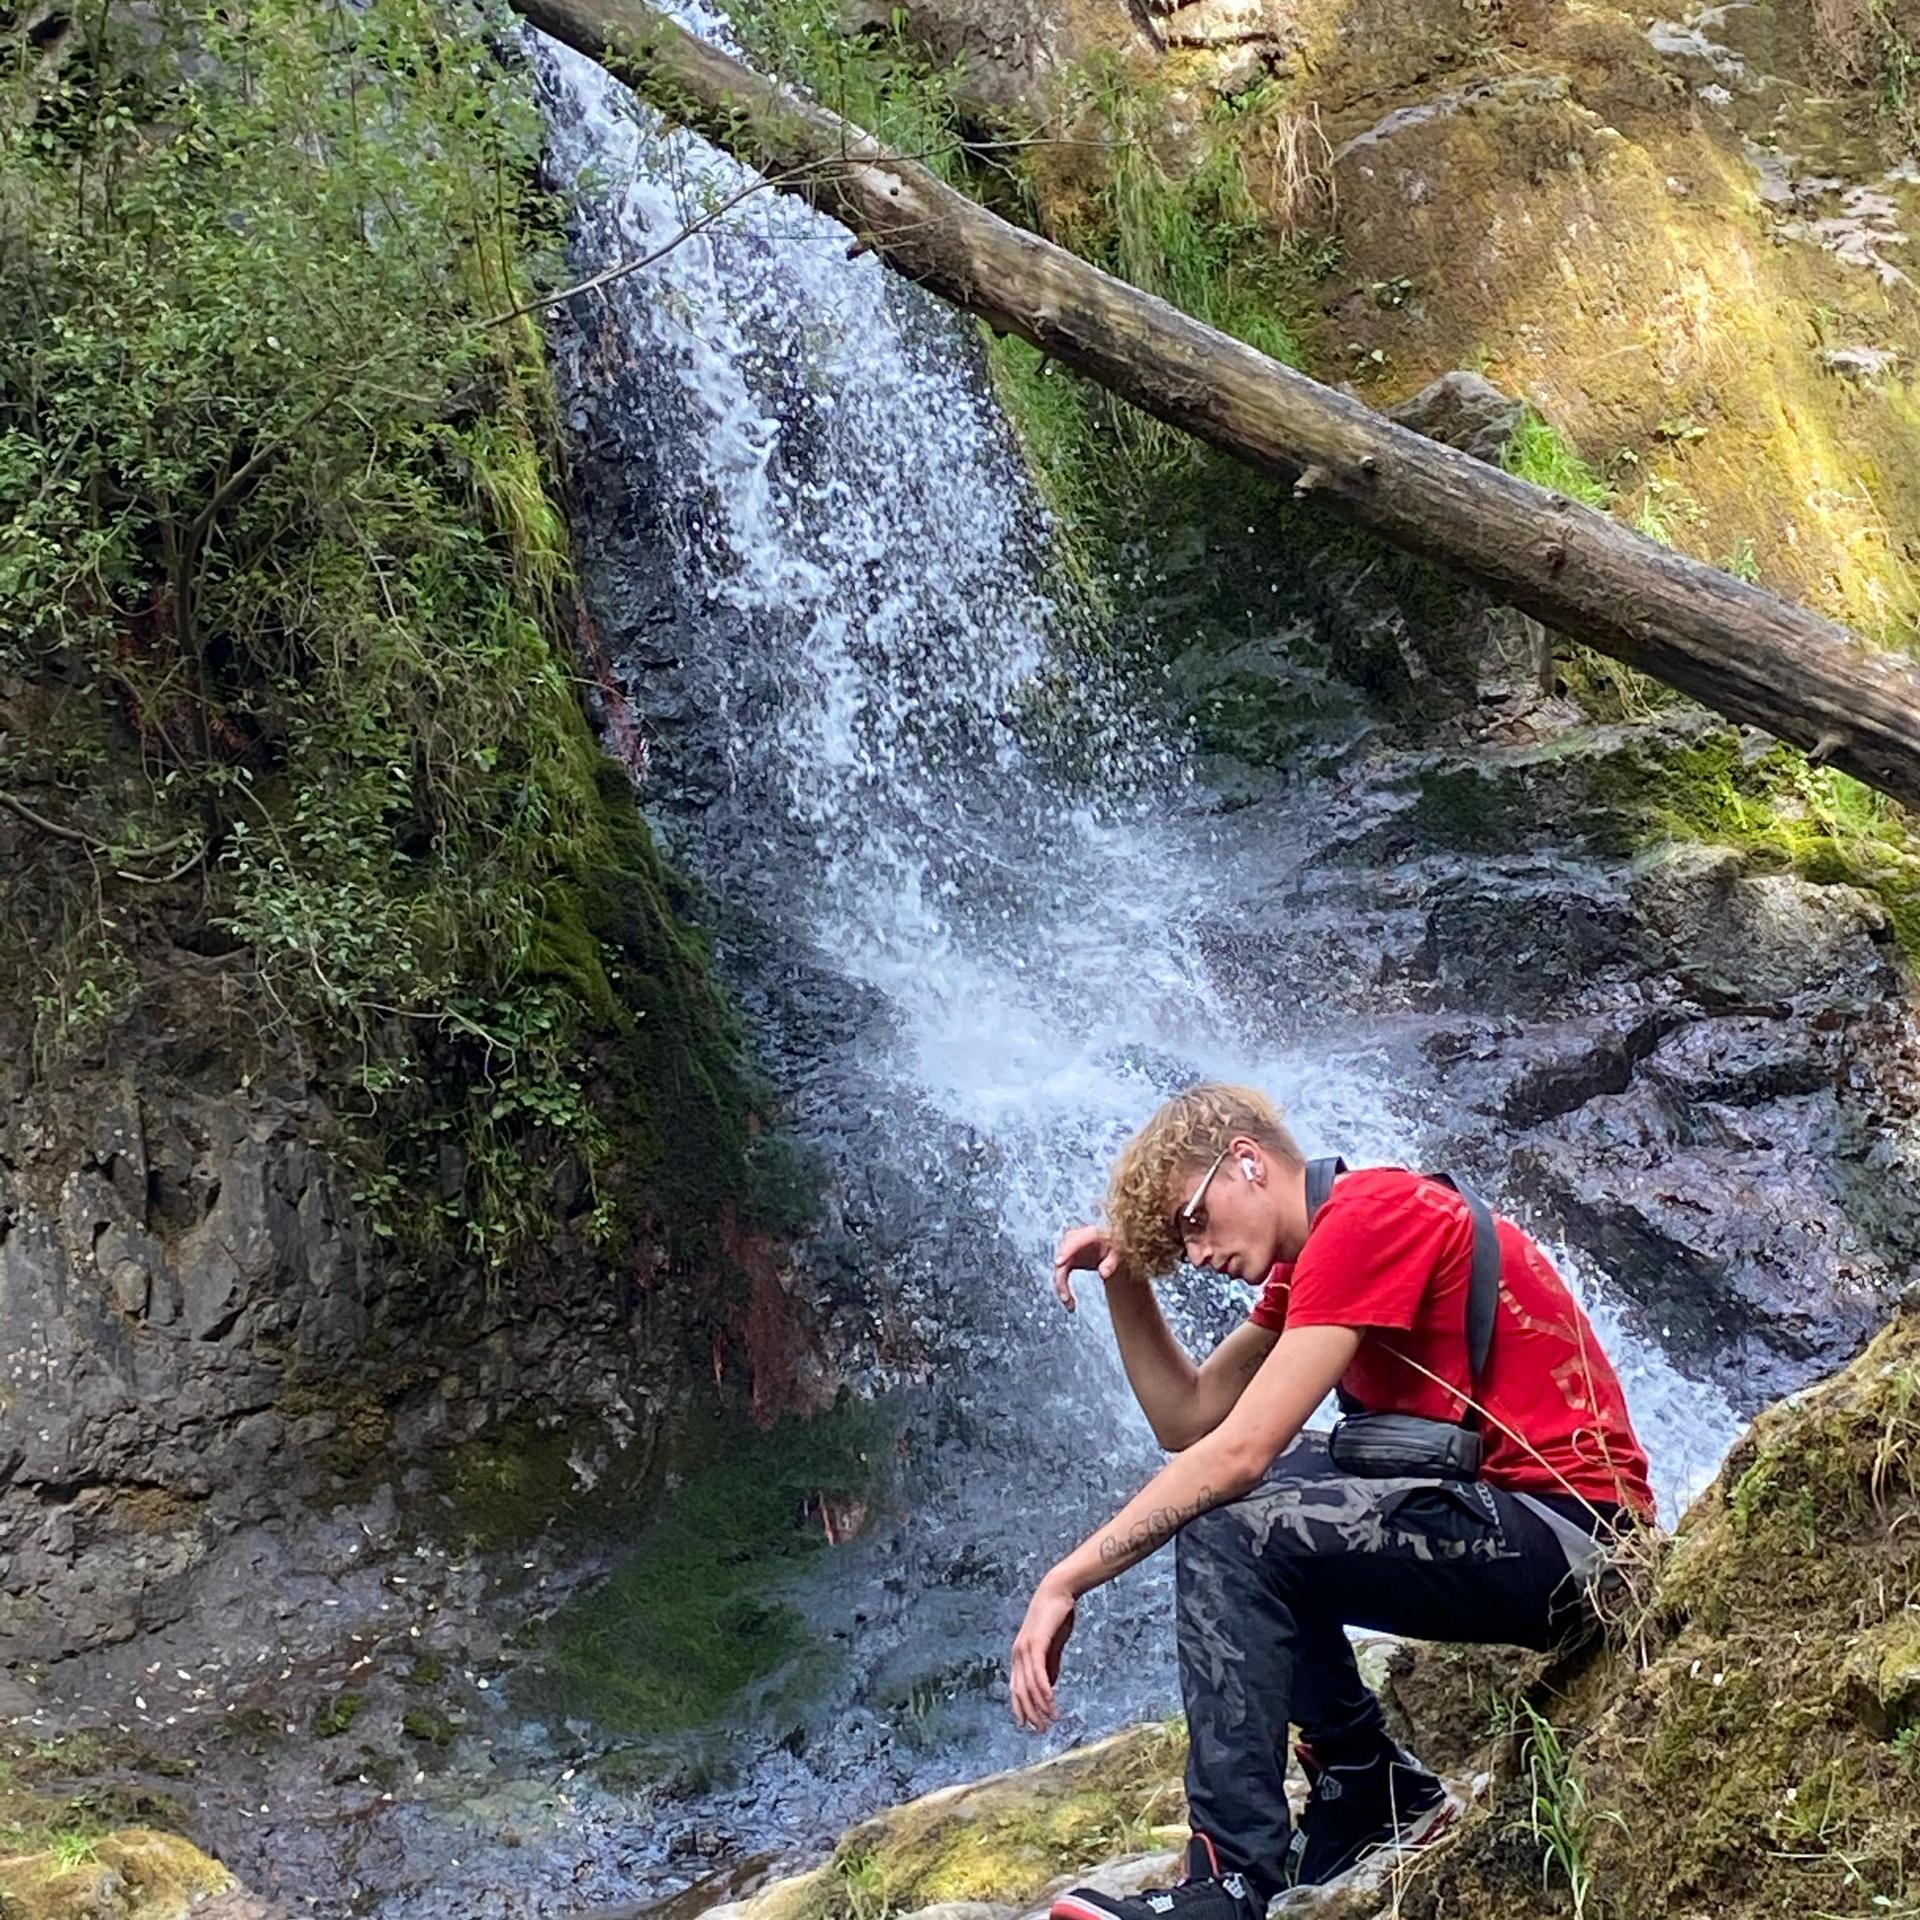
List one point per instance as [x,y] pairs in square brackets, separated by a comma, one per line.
[779,181]
[91,842]
[202,521]
[180,872]
[53,827]
[620,269]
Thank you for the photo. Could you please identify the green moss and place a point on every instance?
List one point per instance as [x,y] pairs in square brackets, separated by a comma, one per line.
[784,1185]
[136,1874]
[685,1625]
[333,1717]
[361,1440]
[1266,719]
[1005,1840]
[1469,808]
[1624,790]
[1221,557]
[427,1725]
[1777,810]
[81,1787]
[428,1670]
[512,1484]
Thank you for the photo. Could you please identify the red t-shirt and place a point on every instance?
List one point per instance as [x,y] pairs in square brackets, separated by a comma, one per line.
[1392,1254]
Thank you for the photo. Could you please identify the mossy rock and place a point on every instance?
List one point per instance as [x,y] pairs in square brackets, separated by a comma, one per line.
[333,1717]
[513,1483]
[693,1618]
[1685,779]
[429,1725]
[1001,1841]
[1754,1747]
[135,1874]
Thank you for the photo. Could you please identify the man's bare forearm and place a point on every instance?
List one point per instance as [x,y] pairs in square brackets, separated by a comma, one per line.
[1161,1373]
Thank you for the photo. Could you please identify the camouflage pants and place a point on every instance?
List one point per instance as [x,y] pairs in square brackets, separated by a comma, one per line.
[1268,1585]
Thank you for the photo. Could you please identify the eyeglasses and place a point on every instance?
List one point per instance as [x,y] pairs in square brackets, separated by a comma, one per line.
[1190,1220]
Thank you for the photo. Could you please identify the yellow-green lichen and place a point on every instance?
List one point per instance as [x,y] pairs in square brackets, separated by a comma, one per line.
[1002,1840]
[135,1874]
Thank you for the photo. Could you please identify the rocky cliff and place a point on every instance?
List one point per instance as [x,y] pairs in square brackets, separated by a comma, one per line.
[1683,240]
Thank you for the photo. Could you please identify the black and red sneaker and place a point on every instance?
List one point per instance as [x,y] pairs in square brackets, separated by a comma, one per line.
[1354,1808]
[1202,1893]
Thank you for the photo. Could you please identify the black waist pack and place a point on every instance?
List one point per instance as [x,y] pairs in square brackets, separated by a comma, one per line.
[1380,1446]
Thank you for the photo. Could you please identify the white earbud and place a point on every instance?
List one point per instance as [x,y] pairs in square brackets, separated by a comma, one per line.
[1247,1165]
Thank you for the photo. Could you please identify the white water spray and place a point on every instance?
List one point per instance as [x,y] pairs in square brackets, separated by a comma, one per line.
[854,538]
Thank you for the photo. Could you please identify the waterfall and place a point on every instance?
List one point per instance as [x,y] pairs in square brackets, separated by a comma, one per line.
[973,960]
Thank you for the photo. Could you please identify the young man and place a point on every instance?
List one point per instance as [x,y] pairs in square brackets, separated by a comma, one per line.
[1278,1550]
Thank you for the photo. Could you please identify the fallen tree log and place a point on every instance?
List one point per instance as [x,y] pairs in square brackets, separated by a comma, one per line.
[1752,656]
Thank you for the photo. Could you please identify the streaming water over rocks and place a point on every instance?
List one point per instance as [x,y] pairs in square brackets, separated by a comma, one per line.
[981,899]
[981,906]
[820,577]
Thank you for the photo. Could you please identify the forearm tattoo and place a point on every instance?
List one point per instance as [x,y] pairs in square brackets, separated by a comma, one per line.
[1152,1531]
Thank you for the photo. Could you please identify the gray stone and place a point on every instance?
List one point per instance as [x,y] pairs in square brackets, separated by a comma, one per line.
[1762,937]
[1462,410]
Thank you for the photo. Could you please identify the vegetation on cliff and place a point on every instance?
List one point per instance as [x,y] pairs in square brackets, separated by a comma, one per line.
[693,1618]
[288,658]
[1750,1742]
[74,1849]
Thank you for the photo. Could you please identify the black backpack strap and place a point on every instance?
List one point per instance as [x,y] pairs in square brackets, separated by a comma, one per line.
[1320,1176]
[1483,1288]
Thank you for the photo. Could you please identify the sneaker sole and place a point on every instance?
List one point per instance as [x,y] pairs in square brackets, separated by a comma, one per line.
[1068,1907]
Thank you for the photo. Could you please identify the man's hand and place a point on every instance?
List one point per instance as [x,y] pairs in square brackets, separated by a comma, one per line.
[1082,1250]
[1037,1648]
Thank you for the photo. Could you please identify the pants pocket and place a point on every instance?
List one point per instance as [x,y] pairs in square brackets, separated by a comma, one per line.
[1449,1519]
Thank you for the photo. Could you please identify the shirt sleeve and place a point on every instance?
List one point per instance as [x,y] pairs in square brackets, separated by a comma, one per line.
[1373,1251]
[1270,1310]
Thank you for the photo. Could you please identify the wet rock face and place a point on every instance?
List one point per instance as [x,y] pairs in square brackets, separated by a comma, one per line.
[1697,1075]
[163,1262]
[198,1341]
[1747,1169]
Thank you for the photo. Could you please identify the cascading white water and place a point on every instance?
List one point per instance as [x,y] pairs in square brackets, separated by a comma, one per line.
[856,619]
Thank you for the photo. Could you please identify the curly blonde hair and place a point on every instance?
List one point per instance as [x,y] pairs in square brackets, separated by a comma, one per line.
[1181,1139]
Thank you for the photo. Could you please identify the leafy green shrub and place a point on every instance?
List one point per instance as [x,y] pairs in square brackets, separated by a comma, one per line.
[285,584]
[877,79]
